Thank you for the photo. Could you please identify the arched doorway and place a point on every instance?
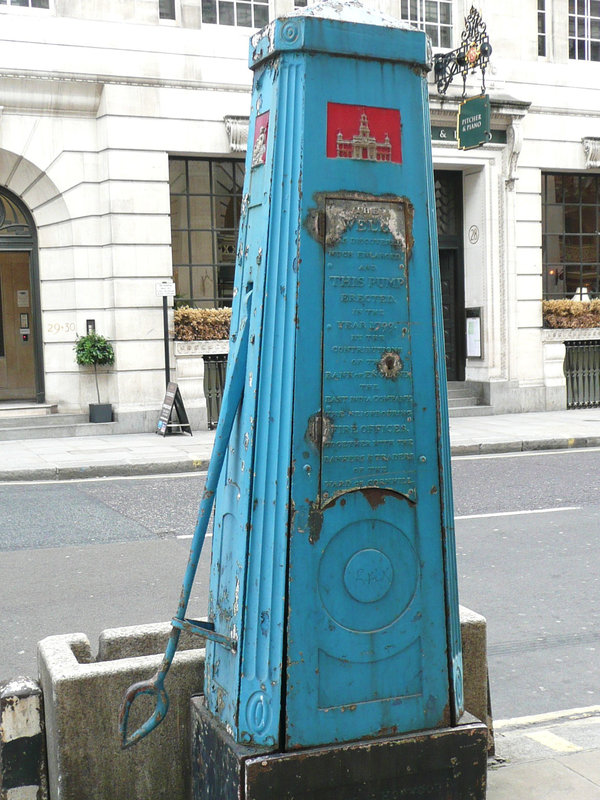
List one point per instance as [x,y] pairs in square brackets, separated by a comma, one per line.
[21,372]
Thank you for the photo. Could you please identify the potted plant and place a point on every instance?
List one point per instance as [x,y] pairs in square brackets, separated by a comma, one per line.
[94,350]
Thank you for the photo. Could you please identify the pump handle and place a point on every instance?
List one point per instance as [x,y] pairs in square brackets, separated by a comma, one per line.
[232,396]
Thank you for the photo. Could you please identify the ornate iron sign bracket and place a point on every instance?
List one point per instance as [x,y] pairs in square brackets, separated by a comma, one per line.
[474,52]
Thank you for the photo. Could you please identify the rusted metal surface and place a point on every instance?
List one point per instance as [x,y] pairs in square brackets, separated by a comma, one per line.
[319,429]
[385,211]
[446,764]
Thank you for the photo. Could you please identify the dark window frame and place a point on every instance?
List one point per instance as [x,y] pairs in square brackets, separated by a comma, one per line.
[438,25]
[584,30]
[166,9]
[570,234]
[236,13]
[542,28]
[38,5]
[220,232]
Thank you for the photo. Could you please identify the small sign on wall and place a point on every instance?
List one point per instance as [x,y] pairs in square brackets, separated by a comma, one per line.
[165,288]
[22,298]
[474,343]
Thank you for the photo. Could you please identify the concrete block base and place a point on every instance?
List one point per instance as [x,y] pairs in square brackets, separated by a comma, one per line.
[447,762]
[82,693]
[81,700]
[473,629]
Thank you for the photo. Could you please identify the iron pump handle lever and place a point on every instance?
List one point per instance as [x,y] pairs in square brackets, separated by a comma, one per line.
[232,396]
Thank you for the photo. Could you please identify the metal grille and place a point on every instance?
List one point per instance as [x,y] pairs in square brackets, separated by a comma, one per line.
[447,199]
[214,380]
[582,372]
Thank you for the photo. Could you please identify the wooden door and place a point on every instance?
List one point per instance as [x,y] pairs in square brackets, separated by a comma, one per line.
[17,359]
[452,307]
[448,199]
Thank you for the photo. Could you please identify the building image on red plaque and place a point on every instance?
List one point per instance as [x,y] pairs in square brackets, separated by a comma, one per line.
[363,133]
[259,148]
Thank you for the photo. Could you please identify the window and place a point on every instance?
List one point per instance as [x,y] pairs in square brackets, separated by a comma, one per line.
[570,239]
[432,16]
[166,9]
[541,20]
[26,3]
[584,30]
[206,196]
[243,13]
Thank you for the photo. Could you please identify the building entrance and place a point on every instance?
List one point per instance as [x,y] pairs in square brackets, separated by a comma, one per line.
[17,361]
[20,368]
[449,203]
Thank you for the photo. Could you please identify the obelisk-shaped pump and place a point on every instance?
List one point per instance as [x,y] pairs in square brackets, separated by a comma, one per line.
[333,577]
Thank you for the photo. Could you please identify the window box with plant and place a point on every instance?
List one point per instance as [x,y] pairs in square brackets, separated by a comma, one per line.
[94,350]
[571,314]
[201,324]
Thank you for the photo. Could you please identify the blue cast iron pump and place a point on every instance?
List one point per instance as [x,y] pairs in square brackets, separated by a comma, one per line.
[333,611]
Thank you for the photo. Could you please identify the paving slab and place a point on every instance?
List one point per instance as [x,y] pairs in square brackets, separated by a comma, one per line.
[547,756]
[586,764]
[548,779]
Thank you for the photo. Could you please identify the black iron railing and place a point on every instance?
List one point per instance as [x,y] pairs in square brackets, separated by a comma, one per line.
[582,372]
[214,380]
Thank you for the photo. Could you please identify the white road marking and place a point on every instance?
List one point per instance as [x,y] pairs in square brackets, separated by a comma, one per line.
[517,513]
[191,536]
[104,478]
[528,453]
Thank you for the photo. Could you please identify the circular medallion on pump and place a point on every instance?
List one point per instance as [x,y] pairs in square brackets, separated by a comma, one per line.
[368,575]
[290,32]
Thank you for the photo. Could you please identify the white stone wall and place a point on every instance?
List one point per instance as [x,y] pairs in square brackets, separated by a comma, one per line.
[88,154]
[96,96]
[519,364]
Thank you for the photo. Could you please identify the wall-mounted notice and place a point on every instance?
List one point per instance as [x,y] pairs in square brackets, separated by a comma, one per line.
[474,345]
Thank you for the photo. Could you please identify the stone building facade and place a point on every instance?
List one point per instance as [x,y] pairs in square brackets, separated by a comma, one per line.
[122,137]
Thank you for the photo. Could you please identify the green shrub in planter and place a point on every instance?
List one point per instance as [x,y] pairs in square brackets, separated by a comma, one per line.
[94,350]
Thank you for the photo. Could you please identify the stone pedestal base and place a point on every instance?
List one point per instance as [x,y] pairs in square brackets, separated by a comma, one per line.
[441,764]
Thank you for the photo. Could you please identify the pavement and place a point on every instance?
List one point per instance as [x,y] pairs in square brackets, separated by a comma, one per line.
[148,453]
[548,757]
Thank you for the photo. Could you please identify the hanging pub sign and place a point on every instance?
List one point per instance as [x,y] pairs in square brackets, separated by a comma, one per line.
[473,123]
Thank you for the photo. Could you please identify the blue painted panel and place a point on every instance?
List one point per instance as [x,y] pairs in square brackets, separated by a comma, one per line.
[235,495]
[372,540]
[329,654]
[333,550]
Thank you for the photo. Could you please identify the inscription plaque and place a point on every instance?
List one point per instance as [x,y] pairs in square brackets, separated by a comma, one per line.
[367,378]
